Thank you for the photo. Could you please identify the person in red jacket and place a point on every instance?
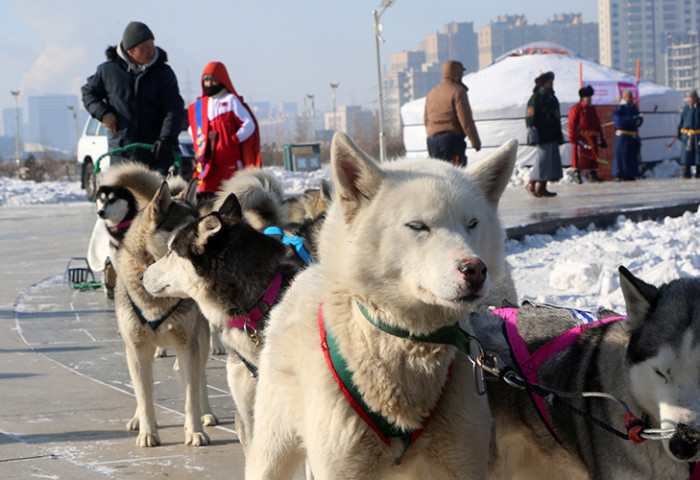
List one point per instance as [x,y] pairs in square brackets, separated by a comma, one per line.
[224,130]
[585,135]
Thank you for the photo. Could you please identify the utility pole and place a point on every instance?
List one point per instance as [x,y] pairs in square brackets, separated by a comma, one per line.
[77,129]
[378,27]
[18,153]
[313,116]
[334,86]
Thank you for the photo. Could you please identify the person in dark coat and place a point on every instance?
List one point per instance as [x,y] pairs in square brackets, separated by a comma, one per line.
[585,135]
[448,117]
[627,120]
[543,120]
[689,134]
[136,96]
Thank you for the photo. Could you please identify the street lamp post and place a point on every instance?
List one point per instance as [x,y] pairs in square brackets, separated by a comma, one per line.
[313,116]
[334,86]
[77,129]
[378,36]
[18,153]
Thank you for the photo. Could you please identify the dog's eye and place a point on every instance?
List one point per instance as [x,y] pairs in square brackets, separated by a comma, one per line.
[472,224]
[418,226]
[658,372]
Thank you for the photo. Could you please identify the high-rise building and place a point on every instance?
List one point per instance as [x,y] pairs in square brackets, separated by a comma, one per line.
[683,61]
[511,31]
[51,123]
[636,30]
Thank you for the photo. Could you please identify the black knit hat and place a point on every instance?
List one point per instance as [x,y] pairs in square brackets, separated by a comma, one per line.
[586,91]
[134,34]
[544,78]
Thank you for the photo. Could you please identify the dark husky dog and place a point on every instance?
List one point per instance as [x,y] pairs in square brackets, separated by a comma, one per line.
[235,273]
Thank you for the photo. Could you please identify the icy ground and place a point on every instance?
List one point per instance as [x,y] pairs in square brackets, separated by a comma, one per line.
[576,268]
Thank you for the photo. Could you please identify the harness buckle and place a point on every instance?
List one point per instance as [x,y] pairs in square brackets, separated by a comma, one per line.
[252,334]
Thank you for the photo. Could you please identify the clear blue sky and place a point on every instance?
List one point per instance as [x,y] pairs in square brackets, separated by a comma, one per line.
[275,50]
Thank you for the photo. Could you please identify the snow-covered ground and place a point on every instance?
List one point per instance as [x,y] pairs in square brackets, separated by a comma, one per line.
[576,268]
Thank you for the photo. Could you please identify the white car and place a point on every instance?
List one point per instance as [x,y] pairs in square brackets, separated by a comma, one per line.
[93,144]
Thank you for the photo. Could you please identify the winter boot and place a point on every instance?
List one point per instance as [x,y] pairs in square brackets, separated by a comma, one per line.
[686,171]
[593,176]
[531,188]
[577,176]
[542,190]
[110,279]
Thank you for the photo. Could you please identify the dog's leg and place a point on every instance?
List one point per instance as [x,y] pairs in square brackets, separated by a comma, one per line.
[140,362]
[190,370]
[275,452]
[215,345]
[203,335]
[242,386]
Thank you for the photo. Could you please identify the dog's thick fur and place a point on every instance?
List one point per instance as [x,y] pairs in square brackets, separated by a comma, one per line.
[309,205]
[226,266]
[398,239]
[651,361]
[260,195]
[185,328]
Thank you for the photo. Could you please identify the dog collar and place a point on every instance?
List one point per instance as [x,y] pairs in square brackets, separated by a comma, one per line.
[124,224]
[449,335]
[249,323]
[381,426]
[296,242]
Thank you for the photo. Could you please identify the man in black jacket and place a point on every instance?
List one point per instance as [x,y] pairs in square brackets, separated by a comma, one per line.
[135,95]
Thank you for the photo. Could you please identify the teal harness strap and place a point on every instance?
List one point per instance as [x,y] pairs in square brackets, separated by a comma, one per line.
[450,335]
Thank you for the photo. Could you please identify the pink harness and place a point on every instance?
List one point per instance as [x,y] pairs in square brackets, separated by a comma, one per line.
[530,363]
[260,310]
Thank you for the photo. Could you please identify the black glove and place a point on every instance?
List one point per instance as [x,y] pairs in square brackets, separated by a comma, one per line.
[163,149]
[602,143]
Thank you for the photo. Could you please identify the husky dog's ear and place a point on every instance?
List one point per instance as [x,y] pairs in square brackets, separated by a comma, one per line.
[356,177]
[493,173]
[162,200]
[207,227]
[640,297]
[326,190]
[189,194]
[231,207]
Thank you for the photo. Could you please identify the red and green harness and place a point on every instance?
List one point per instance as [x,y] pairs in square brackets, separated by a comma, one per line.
[338,367]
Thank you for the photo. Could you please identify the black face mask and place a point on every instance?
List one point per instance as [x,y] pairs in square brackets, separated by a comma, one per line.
[213,90]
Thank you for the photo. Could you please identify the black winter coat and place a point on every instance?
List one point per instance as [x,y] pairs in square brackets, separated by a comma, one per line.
[147,105]
[543,113]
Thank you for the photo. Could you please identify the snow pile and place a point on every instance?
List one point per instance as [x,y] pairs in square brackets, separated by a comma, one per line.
[15,192]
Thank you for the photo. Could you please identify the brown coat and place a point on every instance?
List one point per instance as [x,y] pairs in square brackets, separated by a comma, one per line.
[447,106]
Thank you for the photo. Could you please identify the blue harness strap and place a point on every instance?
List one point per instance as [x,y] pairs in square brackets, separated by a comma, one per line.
[296,242]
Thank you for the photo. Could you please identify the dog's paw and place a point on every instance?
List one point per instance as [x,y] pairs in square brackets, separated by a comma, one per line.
[209,420]
[196,439]
[133,424]
[160,352]
[147,440]
[218,350]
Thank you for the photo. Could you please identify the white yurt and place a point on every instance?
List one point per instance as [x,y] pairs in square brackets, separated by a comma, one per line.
[498,94]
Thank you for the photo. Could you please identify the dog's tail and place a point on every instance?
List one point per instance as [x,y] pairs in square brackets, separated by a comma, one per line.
[137,177]
[260,195]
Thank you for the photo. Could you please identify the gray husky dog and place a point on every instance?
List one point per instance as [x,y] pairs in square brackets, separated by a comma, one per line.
[650,360]
[146,322]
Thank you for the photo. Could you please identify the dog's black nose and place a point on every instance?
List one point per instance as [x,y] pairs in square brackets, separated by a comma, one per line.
[141,277]
[474,271]
[684,443]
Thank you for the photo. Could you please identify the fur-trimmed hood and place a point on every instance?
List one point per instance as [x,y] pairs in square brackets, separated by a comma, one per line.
[112,54]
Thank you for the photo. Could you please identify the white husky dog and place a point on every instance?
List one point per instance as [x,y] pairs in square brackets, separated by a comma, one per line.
[407,246]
